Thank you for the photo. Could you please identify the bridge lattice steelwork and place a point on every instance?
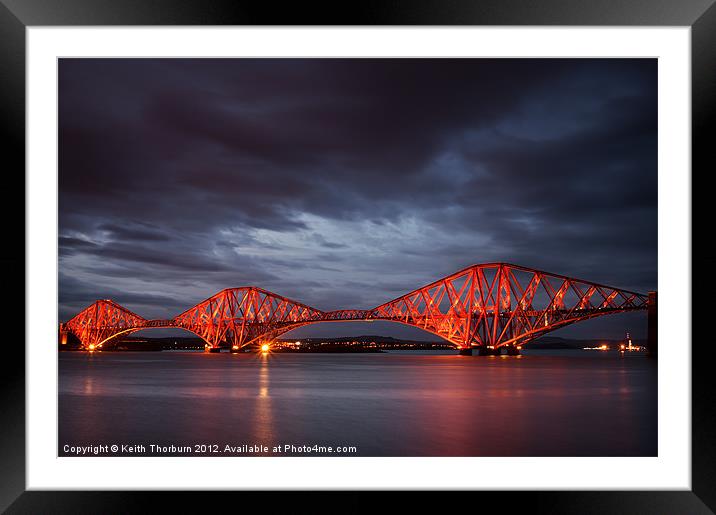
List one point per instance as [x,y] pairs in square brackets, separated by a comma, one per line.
[488,305]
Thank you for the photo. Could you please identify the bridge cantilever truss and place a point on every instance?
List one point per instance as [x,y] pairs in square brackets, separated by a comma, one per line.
[242,315]
[487,305]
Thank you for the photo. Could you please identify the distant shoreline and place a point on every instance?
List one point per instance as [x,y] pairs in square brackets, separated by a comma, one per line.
[355,344]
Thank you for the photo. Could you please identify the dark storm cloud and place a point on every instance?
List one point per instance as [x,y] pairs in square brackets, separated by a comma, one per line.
[343,183]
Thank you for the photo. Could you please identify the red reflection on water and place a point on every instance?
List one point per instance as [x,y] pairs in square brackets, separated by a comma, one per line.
[385,404]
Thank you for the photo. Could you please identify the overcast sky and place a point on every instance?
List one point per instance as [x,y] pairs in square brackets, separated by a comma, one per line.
[344,183]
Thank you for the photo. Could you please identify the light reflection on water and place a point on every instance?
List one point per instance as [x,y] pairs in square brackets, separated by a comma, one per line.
[392,404]
[263,415]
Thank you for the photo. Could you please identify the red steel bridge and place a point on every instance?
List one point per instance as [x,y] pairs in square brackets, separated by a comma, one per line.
[487,306]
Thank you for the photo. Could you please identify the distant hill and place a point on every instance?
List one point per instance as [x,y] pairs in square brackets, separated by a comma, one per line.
[362,338]
[555,342]
[545,342]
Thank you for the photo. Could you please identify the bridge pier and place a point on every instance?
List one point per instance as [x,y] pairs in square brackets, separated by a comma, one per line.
[483,350]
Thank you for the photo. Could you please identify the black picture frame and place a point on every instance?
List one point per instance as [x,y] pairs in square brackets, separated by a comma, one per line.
[17,15]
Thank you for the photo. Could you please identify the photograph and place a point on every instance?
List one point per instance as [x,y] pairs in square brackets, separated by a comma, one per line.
[357,257]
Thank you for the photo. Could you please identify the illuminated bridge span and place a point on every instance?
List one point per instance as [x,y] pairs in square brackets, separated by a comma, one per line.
[487,306]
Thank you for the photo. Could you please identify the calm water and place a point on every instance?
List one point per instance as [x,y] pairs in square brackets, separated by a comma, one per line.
[402,403]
